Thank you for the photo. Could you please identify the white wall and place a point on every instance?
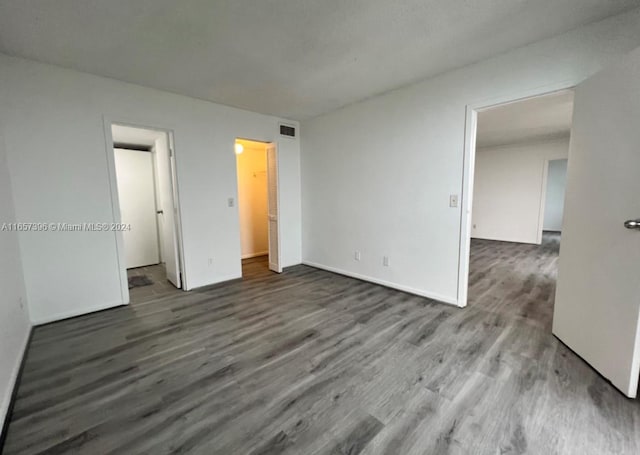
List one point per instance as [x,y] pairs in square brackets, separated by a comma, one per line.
[252,200]
[55,135]
[509,190]
[14,318]
[377,175]
[554,201]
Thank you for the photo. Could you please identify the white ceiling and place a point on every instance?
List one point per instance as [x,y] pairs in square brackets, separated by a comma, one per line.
[134,136]
[535,118]
[292,58]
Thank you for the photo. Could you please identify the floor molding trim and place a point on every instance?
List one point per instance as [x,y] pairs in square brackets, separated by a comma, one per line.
[255,255]
[219,280]
[387,284]
[14,393]
[290,267]
[76,313]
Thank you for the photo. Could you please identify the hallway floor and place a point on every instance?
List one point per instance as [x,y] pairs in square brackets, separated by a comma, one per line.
[160,287]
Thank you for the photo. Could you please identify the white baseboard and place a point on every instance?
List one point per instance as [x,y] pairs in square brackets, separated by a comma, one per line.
[493,239]
[75,312]
[388,284]
[15,372]
[254,255]
[217,281]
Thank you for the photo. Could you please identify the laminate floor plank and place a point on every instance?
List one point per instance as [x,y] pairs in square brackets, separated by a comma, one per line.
[310,362]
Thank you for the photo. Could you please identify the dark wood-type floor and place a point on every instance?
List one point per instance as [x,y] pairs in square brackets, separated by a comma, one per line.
[160,287]
[309,362]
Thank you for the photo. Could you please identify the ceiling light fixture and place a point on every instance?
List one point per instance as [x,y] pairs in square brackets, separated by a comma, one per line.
[239,148]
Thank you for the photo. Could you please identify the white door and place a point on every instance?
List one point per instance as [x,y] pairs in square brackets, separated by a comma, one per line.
[598,295]
[274,232]
[167,215]
[136,194]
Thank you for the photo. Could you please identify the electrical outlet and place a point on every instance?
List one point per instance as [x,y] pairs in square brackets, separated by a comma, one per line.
[385,261]
[21,302]
[210,262]
[453,200]
[356,255]
[231,202]
[474,226]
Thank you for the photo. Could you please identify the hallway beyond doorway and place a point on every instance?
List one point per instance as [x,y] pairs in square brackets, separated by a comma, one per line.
[515,279]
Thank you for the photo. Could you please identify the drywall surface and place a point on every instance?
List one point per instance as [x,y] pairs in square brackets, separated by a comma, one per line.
[377,175]
[509,190]
[252,201]
[56,147]
[14,317]
[554,201]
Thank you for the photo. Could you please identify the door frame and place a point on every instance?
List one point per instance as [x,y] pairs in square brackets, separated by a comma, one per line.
[115,203]
[278,236]
[468,171]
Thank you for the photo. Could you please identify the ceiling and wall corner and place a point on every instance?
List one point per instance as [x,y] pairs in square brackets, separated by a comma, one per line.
[290,58]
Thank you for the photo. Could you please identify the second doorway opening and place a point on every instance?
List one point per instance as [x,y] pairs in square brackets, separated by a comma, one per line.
[258,203]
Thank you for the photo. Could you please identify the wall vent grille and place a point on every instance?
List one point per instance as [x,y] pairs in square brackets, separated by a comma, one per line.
[287,130]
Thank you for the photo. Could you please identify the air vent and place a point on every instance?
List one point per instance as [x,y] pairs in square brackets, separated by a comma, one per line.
[287,130]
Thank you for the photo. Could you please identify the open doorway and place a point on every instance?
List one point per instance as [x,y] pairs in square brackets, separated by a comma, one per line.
[257,173]
[554,198]
[147,205]
[519,177]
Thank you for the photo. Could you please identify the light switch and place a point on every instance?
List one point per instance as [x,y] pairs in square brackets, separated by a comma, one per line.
[453,200]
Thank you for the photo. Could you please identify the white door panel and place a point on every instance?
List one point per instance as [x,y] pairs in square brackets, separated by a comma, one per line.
[598,294]
[136,194]
[166,189]
[274,239]
[172,261]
